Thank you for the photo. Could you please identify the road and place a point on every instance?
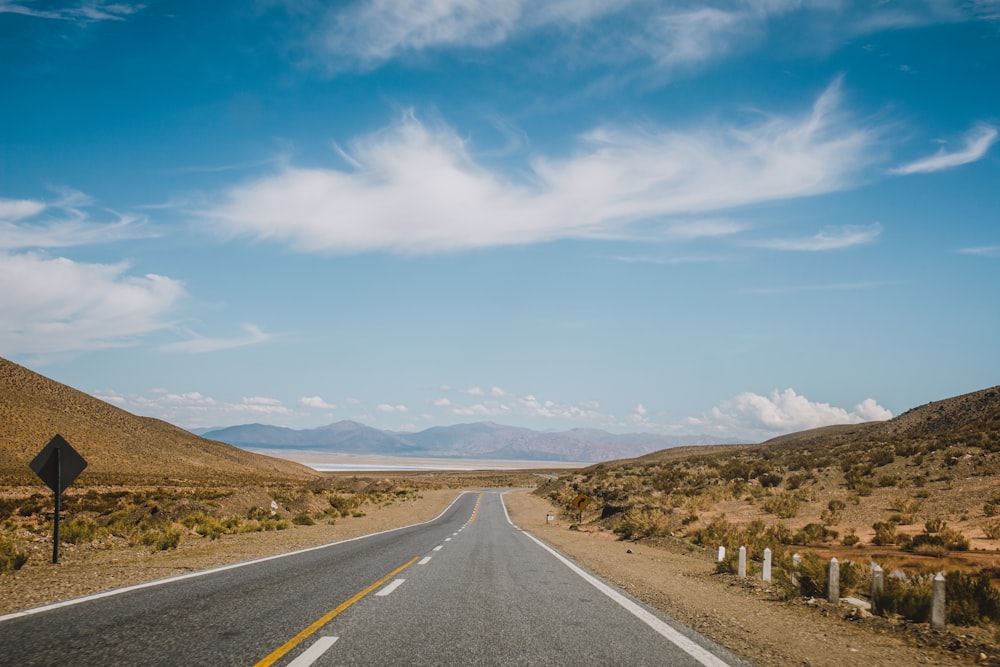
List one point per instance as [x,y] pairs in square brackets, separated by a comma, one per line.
[468,588]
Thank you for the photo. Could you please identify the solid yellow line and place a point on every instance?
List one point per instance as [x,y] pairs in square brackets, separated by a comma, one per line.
[323,620]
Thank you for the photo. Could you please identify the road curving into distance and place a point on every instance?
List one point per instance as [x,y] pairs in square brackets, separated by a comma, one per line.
[468,588]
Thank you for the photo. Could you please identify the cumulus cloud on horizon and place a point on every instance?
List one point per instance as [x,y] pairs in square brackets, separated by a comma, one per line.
[787,412]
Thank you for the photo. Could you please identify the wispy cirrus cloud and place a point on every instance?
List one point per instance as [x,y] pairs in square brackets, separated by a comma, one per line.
[977,143]
[374,31]
[88,11]
[70,220]
[833,238]
[198,344]
[416,189]
[981,251]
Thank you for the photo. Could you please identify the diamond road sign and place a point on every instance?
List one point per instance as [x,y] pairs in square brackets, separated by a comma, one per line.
[58,464]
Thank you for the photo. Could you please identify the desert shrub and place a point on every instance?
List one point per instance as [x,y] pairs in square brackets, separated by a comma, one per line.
[830,517]
[882,457]
[719,532]
[303,519]
[813,534]
[784,506]
[78,531]
[911,599]
[885,481]
[992,530]
[811,576]
[864,488]
[11,558]
[770,479]
[935,525]
[850,540]
[795,480]
[160,540]
[638,523]
[885,533]
[969,599]
[205,526]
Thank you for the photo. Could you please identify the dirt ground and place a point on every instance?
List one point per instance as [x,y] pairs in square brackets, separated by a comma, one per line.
[678,581]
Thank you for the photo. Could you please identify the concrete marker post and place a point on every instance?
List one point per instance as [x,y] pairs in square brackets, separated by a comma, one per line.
[833,582]
[878,585]
[742,571]
[766,573]
[938,602]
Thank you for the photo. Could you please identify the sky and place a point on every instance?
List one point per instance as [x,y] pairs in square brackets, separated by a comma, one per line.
[738,218]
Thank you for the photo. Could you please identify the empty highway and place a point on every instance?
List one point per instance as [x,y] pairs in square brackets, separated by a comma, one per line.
[468,588]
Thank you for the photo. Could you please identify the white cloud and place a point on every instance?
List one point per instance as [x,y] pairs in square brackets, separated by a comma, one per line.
[833,238]
[502,403]
[374,31]
[194,409]
[385,407]
[55,305]
[86,11]
[978,141]
[316,402]
[415,189]
[982,251]
[787,412]
[201,344]
[66,222]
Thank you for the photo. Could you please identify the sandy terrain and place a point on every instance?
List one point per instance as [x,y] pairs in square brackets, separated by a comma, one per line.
[680,582]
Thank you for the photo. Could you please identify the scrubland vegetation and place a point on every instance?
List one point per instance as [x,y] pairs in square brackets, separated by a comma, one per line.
[161,518]
[918,495]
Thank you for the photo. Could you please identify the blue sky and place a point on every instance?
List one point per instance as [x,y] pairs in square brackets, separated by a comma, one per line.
[739,218]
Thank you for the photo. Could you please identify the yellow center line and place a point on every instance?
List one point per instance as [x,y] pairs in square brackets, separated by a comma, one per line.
[475,510]
[323,620]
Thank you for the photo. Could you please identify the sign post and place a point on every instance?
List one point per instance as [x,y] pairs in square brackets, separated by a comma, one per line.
[58,465]
[580,503]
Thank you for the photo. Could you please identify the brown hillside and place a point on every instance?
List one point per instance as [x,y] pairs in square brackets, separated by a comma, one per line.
[921,490]
[119,447]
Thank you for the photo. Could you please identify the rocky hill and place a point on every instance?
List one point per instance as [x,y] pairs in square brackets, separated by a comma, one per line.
[119,447]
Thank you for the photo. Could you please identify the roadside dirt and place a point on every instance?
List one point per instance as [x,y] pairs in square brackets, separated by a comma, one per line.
[678,581]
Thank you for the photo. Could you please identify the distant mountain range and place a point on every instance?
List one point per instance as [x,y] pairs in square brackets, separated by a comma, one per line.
[481,440]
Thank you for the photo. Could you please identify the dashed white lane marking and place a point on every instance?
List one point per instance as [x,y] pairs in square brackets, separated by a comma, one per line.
[312,654]
[437,548]
[447,539]
[424,560]
[390,588]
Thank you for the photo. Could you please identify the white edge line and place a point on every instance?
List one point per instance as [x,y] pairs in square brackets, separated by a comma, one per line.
[387,590]
[201,573]
[666,631]
[313,653]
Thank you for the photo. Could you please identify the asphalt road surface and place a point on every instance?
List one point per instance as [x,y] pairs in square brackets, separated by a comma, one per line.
[468,588]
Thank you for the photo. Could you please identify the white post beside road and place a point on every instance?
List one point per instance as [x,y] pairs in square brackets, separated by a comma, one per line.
[766,574]
[742,571]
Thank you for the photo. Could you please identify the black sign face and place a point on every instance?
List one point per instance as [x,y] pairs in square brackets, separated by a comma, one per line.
[58,464]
